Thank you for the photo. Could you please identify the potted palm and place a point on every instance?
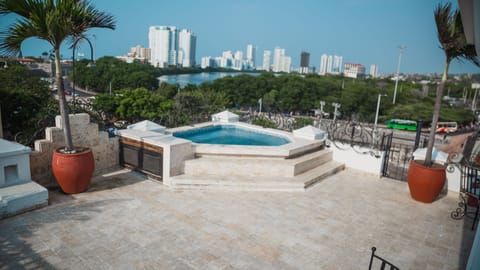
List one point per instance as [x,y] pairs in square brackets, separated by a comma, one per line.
[57,22]
[426,178]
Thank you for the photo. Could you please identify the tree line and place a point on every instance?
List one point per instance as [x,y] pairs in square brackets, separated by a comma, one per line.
[137,95]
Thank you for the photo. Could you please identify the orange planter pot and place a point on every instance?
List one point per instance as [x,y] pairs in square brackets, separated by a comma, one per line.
[425,183]
[73,171]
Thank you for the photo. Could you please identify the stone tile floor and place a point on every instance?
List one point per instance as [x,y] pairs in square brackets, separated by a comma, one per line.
[127,221]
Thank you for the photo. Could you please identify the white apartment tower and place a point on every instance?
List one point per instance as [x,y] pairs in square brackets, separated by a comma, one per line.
[186,48]
[330,64]
[373,71]
[278,54]
[323,64]
[171,47]
[337,64]
[251,56]
[266,60]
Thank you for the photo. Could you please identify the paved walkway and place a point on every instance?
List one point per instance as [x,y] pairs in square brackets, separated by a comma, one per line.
[126,221]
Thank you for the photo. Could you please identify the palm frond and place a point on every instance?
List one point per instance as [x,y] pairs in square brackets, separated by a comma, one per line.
[450,32]
[14,37]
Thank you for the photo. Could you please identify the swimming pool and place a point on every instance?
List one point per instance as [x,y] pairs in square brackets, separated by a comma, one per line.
[231,135]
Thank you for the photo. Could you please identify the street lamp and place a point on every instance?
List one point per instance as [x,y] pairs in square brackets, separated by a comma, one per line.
[475,86]
[91,64]
[322,103]
[374,133]
[336,106]
[398,72]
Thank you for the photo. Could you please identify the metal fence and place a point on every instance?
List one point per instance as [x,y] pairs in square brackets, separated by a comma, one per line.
[341,134]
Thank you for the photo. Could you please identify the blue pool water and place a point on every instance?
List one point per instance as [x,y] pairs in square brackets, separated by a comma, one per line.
[229,134]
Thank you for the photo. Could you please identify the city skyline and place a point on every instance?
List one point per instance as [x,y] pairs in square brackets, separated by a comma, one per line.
[366,32]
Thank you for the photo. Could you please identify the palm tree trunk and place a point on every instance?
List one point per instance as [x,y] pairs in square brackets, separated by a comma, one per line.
[63,102]
[436,115]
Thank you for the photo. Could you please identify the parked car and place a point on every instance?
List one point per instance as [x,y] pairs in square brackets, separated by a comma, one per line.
[68,92]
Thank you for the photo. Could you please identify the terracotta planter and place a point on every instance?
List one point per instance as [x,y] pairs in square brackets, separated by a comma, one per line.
[425,183]
[73,171]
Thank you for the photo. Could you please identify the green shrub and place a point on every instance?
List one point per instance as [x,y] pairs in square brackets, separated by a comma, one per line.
[264,122]
[301,122]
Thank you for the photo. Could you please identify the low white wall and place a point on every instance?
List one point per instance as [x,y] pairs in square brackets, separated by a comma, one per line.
[365,160]
[453,179]
[358,158]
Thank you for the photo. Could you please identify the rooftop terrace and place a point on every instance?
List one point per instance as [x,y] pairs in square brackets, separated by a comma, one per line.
[126,220]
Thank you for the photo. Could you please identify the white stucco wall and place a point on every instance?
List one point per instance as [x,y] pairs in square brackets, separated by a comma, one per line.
[358,158]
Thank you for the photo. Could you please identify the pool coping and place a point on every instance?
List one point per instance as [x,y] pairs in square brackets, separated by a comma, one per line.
[295,147]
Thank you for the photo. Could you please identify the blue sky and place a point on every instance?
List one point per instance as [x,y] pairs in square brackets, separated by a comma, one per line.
[362,31]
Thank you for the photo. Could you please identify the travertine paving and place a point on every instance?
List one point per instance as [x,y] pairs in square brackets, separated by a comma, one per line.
[127,221]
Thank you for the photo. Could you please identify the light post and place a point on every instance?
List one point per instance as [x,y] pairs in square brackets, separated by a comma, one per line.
[374,133]
[475,86]
[91,64]
[322,103]
[336,106]
[398,72]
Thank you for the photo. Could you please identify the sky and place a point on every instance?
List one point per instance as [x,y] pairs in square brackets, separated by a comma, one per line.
[362,31]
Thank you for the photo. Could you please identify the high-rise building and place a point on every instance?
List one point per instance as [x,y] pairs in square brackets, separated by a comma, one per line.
[373,71]
[337,64]
[206,62]
[170,47]
[304,62]
[266,60]
[251,56]
[285,64]
[330,64]
[323,64]
[278,53]
[186,48]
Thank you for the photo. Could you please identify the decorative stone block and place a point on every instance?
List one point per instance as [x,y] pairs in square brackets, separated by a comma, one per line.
[54,134]
[147,125]
[310,133]
[225,117]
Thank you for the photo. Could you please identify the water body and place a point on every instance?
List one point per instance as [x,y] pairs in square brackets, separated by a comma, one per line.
[198,78]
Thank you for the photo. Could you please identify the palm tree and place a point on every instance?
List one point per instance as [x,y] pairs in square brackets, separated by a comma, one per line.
[453,43]
[54,21]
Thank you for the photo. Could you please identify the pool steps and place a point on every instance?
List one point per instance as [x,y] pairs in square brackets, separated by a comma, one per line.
[257,173]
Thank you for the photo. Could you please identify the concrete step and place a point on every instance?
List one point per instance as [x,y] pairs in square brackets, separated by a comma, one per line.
[256,166]
[259,183]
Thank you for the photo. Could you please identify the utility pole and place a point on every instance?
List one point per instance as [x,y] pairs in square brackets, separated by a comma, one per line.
[398,72]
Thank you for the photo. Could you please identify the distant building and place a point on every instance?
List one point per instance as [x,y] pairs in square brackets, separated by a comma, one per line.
[170,47]
[337,64]
[281,62]
[356,71]
[278,53]
[251,51]
[137,53]
[373,71]
[187,42]
[330,64]
[304,62]
[206,62]
[266,60]
[323,64]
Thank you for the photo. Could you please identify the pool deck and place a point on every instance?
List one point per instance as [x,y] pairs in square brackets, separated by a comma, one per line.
[127,221]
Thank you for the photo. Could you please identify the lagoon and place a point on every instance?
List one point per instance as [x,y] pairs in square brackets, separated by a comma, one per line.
[198,78]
